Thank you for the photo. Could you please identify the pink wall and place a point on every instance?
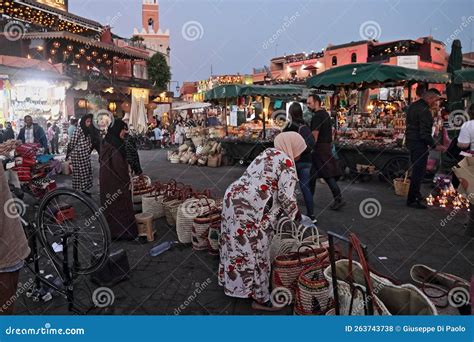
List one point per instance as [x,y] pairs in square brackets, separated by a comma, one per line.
[344,55]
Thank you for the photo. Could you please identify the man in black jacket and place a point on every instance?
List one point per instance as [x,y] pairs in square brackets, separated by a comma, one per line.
[419,139]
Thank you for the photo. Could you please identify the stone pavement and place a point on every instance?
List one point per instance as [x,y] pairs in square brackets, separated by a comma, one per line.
[182,281]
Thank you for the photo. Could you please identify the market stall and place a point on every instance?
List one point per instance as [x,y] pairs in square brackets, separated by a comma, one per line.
[40,94]
[253,116]
[368,103]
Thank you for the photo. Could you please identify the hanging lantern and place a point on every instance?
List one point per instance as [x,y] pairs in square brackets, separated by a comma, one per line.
[108,62]
[77,56]
[105,55]
[99,60]
[125,107]
[53,51]
[56,44]
[112,106]
[82,51]
[82,103]
[94,53]
[70,47]
[89,58]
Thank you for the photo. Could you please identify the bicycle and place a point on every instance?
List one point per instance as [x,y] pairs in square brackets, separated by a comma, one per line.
[73,234]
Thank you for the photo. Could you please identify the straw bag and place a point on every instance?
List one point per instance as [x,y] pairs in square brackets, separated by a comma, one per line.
[185,157]
[172,200]
[402,185]
[201,225]
[141,185]
[285,239]
[187,212]
[153,203]
[312,292]
[214,160]
[213,237]
[360,291]
[286,268]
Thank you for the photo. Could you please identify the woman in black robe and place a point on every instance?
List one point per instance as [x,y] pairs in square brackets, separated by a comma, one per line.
[115,195]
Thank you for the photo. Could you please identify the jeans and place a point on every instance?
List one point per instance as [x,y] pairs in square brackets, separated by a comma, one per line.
[418,160]
[303,170]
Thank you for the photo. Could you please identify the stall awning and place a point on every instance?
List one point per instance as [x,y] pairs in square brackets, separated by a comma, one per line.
[374,74]
[464,75]
[26,74]
[193,105]
[86,41]
[230,91]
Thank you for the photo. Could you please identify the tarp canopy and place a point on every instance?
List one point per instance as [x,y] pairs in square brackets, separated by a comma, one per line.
[374,74]
[236,90]
[193,105]
[464,75]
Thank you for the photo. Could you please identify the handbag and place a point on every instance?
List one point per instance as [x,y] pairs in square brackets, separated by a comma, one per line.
[200,230]
[115,269]
[286,268]
[213,237]
[312,292]
[360,291]
[153,203]
[187,212]
[284,240]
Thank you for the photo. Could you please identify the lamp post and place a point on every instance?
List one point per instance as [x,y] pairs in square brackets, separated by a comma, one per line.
[177,85]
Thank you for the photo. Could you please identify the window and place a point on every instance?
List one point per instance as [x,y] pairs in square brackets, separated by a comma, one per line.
[354,58]
[334,60]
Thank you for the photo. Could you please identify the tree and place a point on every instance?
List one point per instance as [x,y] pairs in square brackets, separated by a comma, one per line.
[159,71]
[137,39]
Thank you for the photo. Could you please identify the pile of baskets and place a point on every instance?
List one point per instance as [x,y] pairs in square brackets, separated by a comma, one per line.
[205,154]
[196,215]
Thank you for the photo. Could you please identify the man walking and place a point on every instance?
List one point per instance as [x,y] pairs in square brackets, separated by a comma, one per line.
[419,139]
[324,164]
[55,132]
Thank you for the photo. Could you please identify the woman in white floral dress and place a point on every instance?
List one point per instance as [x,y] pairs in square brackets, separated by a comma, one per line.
[251,206]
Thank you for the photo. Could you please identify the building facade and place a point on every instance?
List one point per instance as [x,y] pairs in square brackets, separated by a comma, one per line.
[153,37]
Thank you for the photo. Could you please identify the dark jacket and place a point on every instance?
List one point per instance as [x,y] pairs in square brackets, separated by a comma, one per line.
[8,134]
[133,158]
[38,134]
[305,132]
[419,125]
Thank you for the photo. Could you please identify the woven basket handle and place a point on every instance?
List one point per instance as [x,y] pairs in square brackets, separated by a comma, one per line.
[313,236]
[307,246]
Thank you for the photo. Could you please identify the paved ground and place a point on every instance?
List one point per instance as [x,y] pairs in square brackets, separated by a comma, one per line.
[168,284]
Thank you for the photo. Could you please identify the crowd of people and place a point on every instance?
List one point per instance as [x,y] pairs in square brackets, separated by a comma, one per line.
[253,204]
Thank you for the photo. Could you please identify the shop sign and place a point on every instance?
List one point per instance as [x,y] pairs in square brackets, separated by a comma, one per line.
[58,4]
[408,61]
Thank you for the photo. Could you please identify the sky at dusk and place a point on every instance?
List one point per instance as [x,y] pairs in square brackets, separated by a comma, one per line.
[236,36]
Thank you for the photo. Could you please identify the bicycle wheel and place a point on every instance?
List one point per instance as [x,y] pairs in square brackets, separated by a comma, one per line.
[65,211]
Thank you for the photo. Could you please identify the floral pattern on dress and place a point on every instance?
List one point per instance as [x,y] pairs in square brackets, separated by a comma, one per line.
[252,205]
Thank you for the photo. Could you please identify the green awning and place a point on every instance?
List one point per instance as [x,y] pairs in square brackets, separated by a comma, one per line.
[464,75]
[230,91]
[374,74]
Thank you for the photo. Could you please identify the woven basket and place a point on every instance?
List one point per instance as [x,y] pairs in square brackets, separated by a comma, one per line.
[312,292]
[141,185]
[171,210]
[285,239]
[174,159]
[201,225]
[214,160]
[402,186]
[187,212]
[287,268]
[153,204]
[213,237]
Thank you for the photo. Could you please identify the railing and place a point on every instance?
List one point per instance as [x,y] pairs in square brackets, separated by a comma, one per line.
[103,76]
